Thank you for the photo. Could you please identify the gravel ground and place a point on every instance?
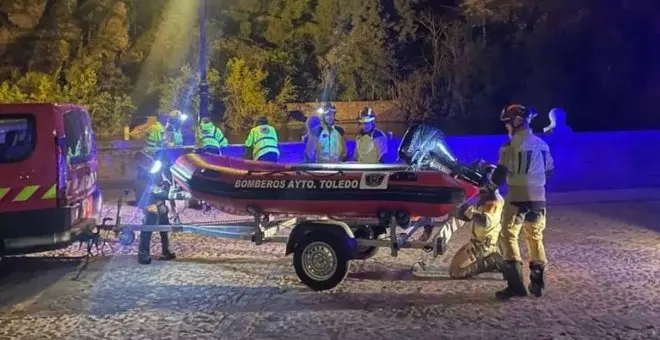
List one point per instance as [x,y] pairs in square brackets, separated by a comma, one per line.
[604,282]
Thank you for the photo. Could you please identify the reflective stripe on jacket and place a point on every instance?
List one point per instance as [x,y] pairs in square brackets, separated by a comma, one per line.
[262,139]
[213,138]
[173,137]
[156,136]
[326,144]
[370,147]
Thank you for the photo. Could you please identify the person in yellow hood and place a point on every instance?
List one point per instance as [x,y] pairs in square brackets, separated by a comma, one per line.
[156,135]
[326,142]
[211,137]
[370,142]
[262,142]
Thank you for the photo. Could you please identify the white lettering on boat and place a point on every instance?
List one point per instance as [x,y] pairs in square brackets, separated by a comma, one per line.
[449,227]
[310,184]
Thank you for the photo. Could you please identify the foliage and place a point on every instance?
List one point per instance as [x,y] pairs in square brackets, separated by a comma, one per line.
[109,112]
[181,90]
[247,98]
[411,94]
[453,60]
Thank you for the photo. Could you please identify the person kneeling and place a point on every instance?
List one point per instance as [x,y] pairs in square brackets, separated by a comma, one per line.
[481,254]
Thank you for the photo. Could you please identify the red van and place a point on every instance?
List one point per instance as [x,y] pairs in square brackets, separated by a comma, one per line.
[49,194]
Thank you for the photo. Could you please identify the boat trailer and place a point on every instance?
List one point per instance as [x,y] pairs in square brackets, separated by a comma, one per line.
[321,246]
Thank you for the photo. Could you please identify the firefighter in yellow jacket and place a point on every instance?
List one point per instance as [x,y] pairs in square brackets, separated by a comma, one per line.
[326,142]
[156,135]
[211,137]
[529,163]
[481,254]
[262,142]
[370,142]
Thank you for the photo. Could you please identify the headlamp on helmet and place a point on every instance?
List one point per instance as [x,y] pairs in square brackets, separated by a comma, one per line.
[178,115]
[510,112]
[366,115]
[326,108]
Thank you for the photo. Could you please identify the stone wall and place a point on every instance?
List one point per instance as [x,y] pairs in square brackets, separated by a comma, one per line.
[584,161]
[116,159]
[386,110]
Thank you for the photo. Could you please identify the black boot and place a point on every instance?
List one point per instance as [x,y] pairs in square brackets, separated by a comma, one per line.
[536,280]
[499,265]
[166,254]
[143,250]
[144,258]
[512,272]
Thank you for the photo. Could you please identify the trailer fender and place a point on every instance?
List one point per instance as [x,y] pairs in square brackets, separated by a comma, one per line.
[337,228]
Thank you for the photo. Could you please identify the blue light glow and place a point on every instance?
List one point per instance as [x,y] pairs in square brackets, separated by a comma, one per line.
[156,167]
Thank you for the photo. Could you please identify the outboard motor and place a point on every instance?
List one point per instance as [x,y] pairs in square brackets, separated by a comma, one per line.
[424,147]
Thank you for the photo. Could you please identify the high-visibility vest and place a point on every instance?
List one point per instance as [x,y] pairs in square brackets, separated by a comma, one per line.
[174,138]
[262,139]
[328,144]
[156,136]
[370,147]
[213,138]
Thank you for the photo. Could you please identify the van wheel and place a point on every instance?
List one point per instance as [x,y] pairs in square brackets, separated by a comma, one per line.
[321,260]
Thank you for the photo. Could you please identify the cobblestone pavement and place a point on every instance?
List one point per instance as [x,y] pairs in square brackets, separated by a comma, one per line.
[604,282]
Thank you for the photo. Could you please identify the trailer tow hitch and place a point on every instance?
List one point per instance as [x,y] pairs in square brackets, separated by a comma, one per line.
[95,245]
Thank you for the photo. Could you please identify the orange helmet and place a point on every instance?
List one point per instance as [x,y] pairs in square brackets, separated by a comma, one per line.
[516,110]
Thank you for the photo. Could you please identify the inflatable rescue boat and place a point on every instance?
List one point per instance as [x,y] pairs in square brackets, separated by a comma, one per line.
[353,190]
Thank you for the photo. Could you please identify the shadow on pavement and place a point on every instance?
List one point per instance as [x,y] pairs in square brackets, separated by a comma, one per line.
[220,260]
[406,275]
[27,277]
[234,299]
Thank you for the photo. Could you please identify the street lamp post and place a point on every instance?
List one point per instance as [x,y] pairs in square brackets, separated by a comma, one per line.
[203,84]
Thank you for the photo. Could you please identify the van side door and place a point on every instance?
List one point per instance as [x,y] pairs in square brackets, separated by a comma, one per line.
[27,159]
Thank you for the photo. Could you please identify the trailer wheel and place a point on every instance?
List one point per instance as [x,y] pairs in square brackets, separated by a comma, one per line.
[321,260]
[126,237]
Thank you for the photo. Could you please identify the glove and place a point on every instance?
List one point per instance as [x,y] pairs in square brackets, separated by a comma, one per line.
[464,212]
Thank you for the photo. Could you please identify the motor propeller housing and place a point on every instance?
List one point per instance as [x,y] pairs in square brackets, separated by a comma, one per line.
[424,147]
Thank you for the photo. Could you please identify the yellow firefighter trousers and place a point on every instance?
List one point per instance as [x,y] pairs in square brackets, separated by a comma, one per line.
[532,224]
[472,257]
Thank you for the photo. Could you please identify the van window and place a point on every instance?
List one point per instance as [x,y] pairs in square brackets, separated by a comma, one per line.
[17,137]
[79,136]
